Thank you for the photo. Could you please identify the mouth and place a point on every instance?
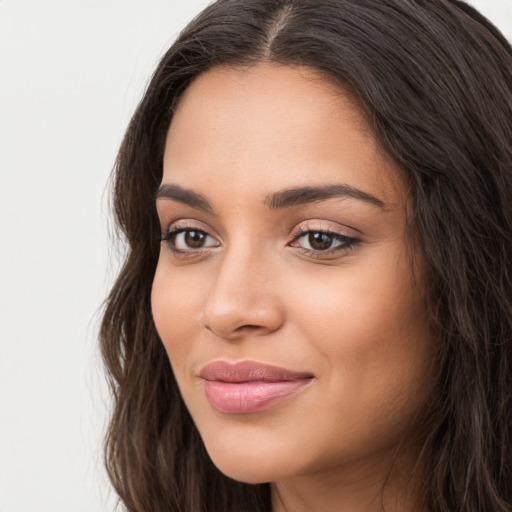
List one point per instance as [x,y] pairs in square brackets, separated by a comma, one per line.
[247,386]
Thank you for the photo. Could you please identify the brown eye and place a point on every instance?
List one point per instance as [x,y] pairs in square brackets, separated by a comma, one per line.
[189,240]
[324,242]
[319,241]
[195,239]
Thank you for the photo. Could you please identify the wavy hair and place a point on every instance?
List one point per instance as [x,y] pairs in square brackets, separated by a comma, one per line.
[434,81]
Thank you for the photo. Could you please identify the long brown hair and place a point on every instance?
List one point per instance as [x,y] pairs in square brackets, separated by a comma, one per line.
[434,80]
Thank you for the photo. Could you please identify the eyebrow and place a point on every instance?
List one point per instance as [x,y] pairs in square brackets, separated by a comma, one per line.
[282,199]
[305,195]
[184,195]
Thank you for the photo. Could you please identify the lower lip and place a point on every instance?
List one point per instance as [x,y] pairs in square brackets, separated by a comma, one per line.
[247,397]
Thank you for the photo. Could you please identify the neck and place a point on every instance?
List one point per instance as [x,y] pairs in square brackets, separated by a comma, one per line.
[362,487]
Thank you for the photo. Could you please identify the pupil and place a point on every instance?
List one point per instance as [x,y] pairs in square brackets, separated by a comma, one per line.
[320,241]
[194,239]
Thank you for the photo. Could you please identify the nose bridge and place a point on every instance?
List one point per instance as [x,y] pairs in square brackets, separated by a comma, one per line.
[243,293]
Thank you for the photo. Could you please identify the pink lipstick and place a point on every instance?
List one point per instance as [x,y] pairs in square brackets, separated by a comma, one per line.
[247,386]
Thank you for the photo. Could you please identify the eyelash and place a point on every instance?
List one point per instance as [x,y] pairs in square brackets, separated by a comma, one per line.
[170,236]
[345,243]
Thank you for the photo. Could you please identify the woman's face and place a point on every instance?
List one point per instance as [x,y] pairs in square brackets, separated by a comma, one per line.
[284,293]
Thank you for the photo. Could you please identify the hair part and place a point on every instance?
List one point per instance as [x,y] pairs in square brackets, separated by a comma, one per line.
[433,79]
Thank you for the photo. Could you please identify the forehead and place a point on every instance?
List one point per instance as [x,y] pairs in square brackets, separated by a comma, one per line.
[272,126]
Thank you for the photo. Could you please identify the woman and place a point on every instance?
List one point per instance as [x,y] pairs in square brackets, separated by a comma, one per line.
[315,309]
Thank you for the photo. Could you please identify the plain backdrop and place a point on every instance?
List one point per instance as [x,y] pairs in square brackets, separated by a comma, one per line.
[71,74]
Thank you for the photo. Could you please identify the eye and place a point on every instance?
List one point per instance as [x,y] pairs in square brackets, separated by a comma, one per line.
[319,241]
[186,240]
[326,242]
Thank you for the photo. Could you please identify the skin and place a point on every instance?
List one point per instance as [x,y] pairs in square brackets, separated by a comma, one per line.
[257,291]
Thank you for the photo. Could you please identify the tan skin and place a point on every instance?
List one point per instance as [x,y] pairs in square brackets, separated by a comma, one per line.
[324,287]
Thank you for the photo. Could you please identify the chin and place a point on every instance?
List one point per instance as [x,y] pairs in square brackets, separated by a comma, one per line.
[247,464]
[246,475]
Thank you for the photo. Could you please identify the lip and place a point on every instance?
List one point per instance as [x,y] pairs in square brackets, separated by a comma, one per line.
[248,386]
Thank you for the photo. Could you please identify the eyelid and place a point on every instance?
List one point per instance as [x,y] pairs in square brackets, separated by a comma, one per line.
[344,238]
[324,226]
[345,242]
[192,224]
[176,227]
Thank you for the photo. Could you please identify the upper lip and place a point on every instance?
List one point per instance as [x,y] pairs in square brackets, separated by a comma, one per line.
[248,371]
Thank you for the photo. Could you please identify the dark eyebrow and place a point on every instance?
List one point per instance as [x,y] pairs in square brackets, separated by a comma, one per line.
[283,199]
[304,195]
[183,195]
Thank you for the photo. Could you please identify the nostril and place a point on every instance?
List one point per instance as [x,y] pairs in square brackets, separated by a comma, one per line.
[251,327]
[241,328]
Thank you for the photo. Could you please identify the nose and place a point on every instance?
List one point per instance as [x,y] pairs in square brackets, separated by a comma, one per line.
[243,299]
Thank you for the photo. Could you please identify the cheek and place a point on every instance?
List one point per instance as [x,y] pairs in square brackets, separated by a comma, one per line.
[370,327]
[175,303]
[366,302]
